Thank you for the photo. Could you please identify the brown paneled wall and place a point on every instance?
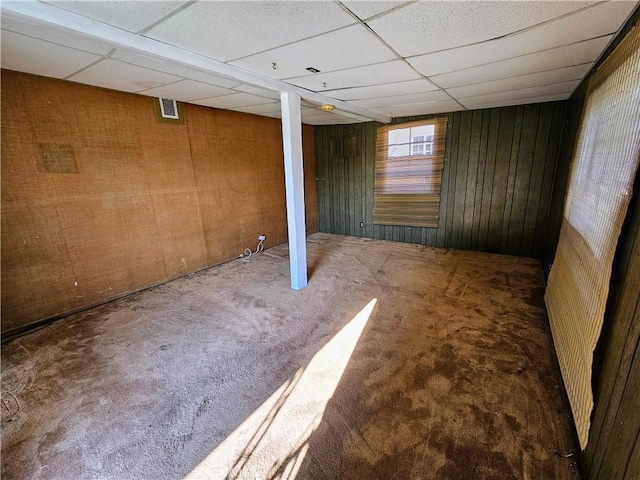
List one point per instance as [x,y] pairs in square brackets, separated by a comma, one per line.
[100,200]
[496,184]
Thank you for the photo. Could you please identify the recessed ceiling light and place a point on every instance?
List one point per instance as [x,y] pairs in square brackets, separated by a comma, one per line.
[313,70]
[327,108]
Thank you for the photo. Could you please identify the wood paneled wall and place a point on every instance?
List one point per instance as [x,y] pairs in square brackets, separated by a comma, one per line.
[613,450]
[100,200]
[496,186]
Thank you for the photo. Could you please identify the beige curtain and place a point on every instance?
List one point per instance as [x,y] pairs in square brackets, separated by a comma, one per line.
[603,169]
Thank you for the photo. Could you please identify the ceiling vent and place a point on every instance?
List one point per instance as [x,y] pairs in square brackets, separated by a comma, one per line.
[168,108]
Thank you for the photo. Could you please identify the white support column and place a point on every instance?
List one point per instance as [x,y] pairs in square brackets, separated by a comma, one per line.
[294,180]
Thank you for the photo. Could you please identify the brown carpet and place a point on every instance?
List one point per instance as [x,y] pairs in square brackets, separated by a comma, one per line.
[229,373]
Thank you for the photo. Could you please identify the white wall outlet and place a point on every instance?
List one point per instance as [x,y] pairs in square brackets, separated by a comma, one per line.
[261,237]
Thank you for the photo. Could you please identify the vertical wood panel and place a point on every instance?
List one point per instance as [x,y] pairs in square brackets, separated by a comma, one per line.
[462,171]
[370,157]
[500,179]
[480,182]
[511,180]
[537,178]
[453,171]
[496,180]
[472,178]
[633,467]
[487,190]
[321,165]
[522,178]
[546,193]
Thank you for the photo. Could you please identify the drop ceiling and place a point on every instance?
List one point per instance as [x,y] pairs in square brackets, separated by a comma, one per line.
[377,59]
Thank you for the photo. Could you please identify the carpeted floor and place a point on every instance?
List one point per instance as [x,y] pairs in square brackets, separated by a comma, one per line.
[395,362]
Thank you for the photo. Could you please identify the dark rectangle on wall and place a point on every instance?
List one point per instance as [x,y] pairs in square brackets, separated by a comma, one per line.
[58,158]
[496,181]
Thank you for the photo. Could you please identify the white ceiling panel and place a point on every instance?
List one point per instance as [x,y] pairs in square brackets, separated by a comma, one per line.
[477,104]
[367,9]
[258,91]
[122,76]
[420,108]
[53,34]
[435,96]
[565,88]
[26,54]
[233,101]
[549,77]
[230,30]
[130,15]
[187,90]
[272,108]
[394,71]
[345,48]
[601,19]
[335,120]
[575,54]
[172,69]
[425,27]
[383,90]
[325,119]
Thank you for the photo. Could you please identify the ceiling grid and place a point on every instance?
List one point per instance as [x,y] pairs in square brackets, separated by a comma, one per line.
[377,59]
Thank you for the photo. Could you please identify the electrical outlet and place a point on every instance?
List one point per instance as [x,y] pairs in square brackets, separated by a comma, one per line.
[361,224]
[261,237]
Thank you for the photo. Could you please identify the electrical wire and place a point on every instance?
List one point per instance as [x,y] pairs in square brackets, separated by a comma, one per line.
[248,253]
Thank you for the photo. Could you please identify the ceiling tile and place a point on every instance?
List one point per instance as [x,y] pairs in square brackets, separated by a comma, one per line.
[367,9]
[54,34]
[131,15]
[122,76]
[335,120]
[233,101]
[345,48]
[261,109]
[26,54]
[397,100]
[420,108]
[544,90]
[601,19]
[230,30]
[475,105]
[384,90]
[262,92]
[523,81]
[575,54]
[352,116]
[318,117]
[187,90]
[394,71]
[272,115]
[173,69]
[424,27]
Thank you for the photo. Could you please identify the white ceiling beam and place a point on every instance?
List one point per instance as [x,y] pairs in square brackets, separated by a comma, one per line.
[43,12]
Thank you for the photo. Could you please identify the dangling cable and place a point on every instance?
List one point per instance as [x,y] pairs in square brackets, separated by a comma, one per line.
[247,251]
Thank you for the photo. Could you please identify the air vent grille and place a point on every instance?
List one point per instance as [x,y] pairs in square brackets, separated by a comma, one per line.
[168,108]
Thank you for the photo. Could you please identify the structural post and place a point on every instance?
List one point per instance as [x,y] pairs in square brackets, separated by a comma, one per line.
[294,180]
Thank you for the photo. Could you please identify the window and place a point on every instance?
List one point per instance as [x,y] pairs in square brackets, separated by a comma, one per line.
[409,163]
